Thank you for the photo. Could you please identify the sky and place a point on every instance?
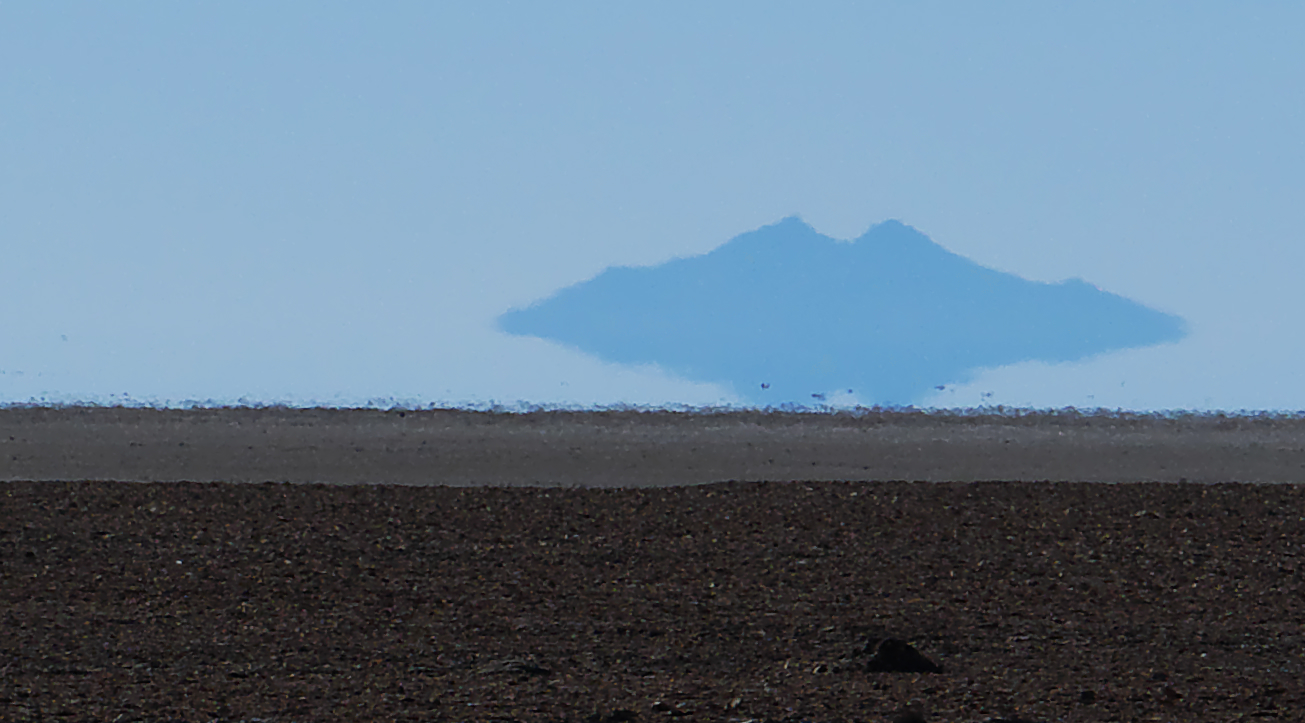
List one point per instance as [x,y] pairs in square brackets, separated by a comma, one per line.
[328,203]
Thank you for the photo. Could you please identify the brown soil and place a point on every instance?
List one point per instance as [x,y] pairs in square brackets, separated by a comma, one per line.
[727,602]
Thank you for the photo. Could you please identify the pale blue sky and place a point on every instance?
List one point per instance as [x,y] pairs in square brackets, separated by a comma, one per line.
[316,202]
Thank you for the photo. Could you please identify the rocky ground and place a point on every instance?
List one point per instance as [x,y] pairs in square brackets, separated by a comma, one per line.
[726,602]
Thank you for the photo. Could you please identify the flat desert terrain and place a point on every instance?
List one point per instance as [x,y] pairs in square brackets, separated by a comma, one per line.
[636,566]
[636,449]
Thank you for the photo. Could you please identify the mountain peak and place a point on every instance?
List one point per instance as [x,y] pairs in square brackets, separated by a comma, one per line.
[890,316]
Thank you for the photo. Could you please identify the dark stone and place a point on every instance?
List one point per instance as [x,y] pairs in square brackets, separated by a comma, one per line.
[675,711]
[617,716]
[518,666]
[892,655]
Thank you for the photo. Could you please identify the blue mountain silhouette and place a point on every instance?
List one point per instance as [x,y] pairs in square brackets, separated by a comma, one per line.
[783,313]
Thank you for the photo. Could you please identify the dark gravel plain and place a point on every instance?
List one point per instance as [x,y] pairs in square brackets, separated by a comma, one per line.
[1074,602]
[1043,601]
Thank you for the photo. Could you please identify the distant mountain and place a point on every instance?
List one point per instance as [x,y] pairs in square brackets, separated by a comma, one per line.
[783,313]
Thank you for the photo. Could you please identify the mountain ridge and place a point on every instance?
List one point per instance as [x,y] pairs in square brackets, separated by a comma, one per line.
[783,313]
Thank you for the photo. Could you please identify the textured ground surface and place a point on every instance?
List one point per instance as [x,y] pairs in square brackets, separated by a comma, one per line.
[635,449]
[1074,602]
